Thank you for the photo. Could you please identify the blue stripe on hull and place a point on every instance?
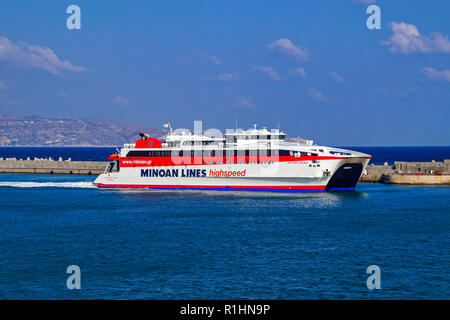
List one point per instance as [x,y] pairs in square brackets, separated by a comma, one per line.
[341,189]
[227,189]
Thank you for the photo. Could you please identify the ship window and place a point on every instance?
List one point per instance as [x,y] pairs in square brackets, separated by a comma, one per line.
[135,153]
[210,153]
[110,167]
[263,152]
[253,153]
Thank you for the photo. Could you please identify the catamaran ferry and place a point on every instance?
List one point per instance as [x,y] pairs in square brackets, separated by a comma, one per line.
[251,160]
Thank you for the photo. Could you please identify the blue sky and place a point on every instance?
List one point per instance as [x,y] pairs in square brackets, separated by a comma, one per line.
[312,64]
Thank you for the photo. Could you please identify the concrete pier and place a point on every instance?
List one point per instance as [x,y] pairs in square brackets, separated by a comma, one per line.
[412,173]
[50,166]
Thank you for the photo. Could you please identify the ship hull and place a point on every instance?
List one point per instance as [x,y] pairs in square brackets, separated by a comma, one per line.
[287,177]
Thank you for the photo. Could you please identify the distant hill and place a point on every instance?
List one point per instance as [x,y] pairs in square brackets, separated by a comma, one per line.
[37,132]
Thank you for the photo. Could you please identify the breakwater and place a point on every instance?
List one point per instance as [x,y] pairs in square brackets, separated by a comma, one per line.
[50,166]
[402,172]
[413,173]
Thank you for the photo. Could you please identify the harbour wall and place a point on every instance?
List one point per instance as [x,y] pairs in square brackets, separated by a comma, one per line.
[413,173]
[402,172]
[50,166]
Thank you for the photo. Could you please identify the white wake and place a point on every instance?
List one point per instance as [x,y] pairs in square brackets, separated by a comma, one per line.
[31,184]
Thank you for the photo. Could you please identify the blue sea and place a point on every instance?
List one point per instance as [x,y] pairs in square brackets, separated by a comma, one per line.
[155,244]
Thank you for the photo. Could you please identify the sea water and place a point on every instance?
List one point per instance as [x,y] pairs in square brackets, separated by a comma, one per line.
[158,244]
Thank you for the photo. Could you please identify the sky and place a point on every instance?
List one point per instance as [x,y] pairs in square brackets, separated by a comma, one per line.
[313,66]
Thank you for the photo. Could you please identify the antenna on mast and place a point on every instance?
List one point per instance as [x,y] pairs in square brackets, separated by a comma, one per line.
[167,125]
[235,122]
[278,121]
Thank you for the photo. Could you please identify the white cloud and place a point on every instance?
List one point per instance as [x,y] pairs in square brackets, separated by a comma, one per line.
[243,102]
[336,76]
[120,101]
[228,76]
[215,59]
[224,76]
[286,47]
[211,58]
[300,72]
[434,74]
[268,71]
[406,39]
[25,55]
[318,95]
